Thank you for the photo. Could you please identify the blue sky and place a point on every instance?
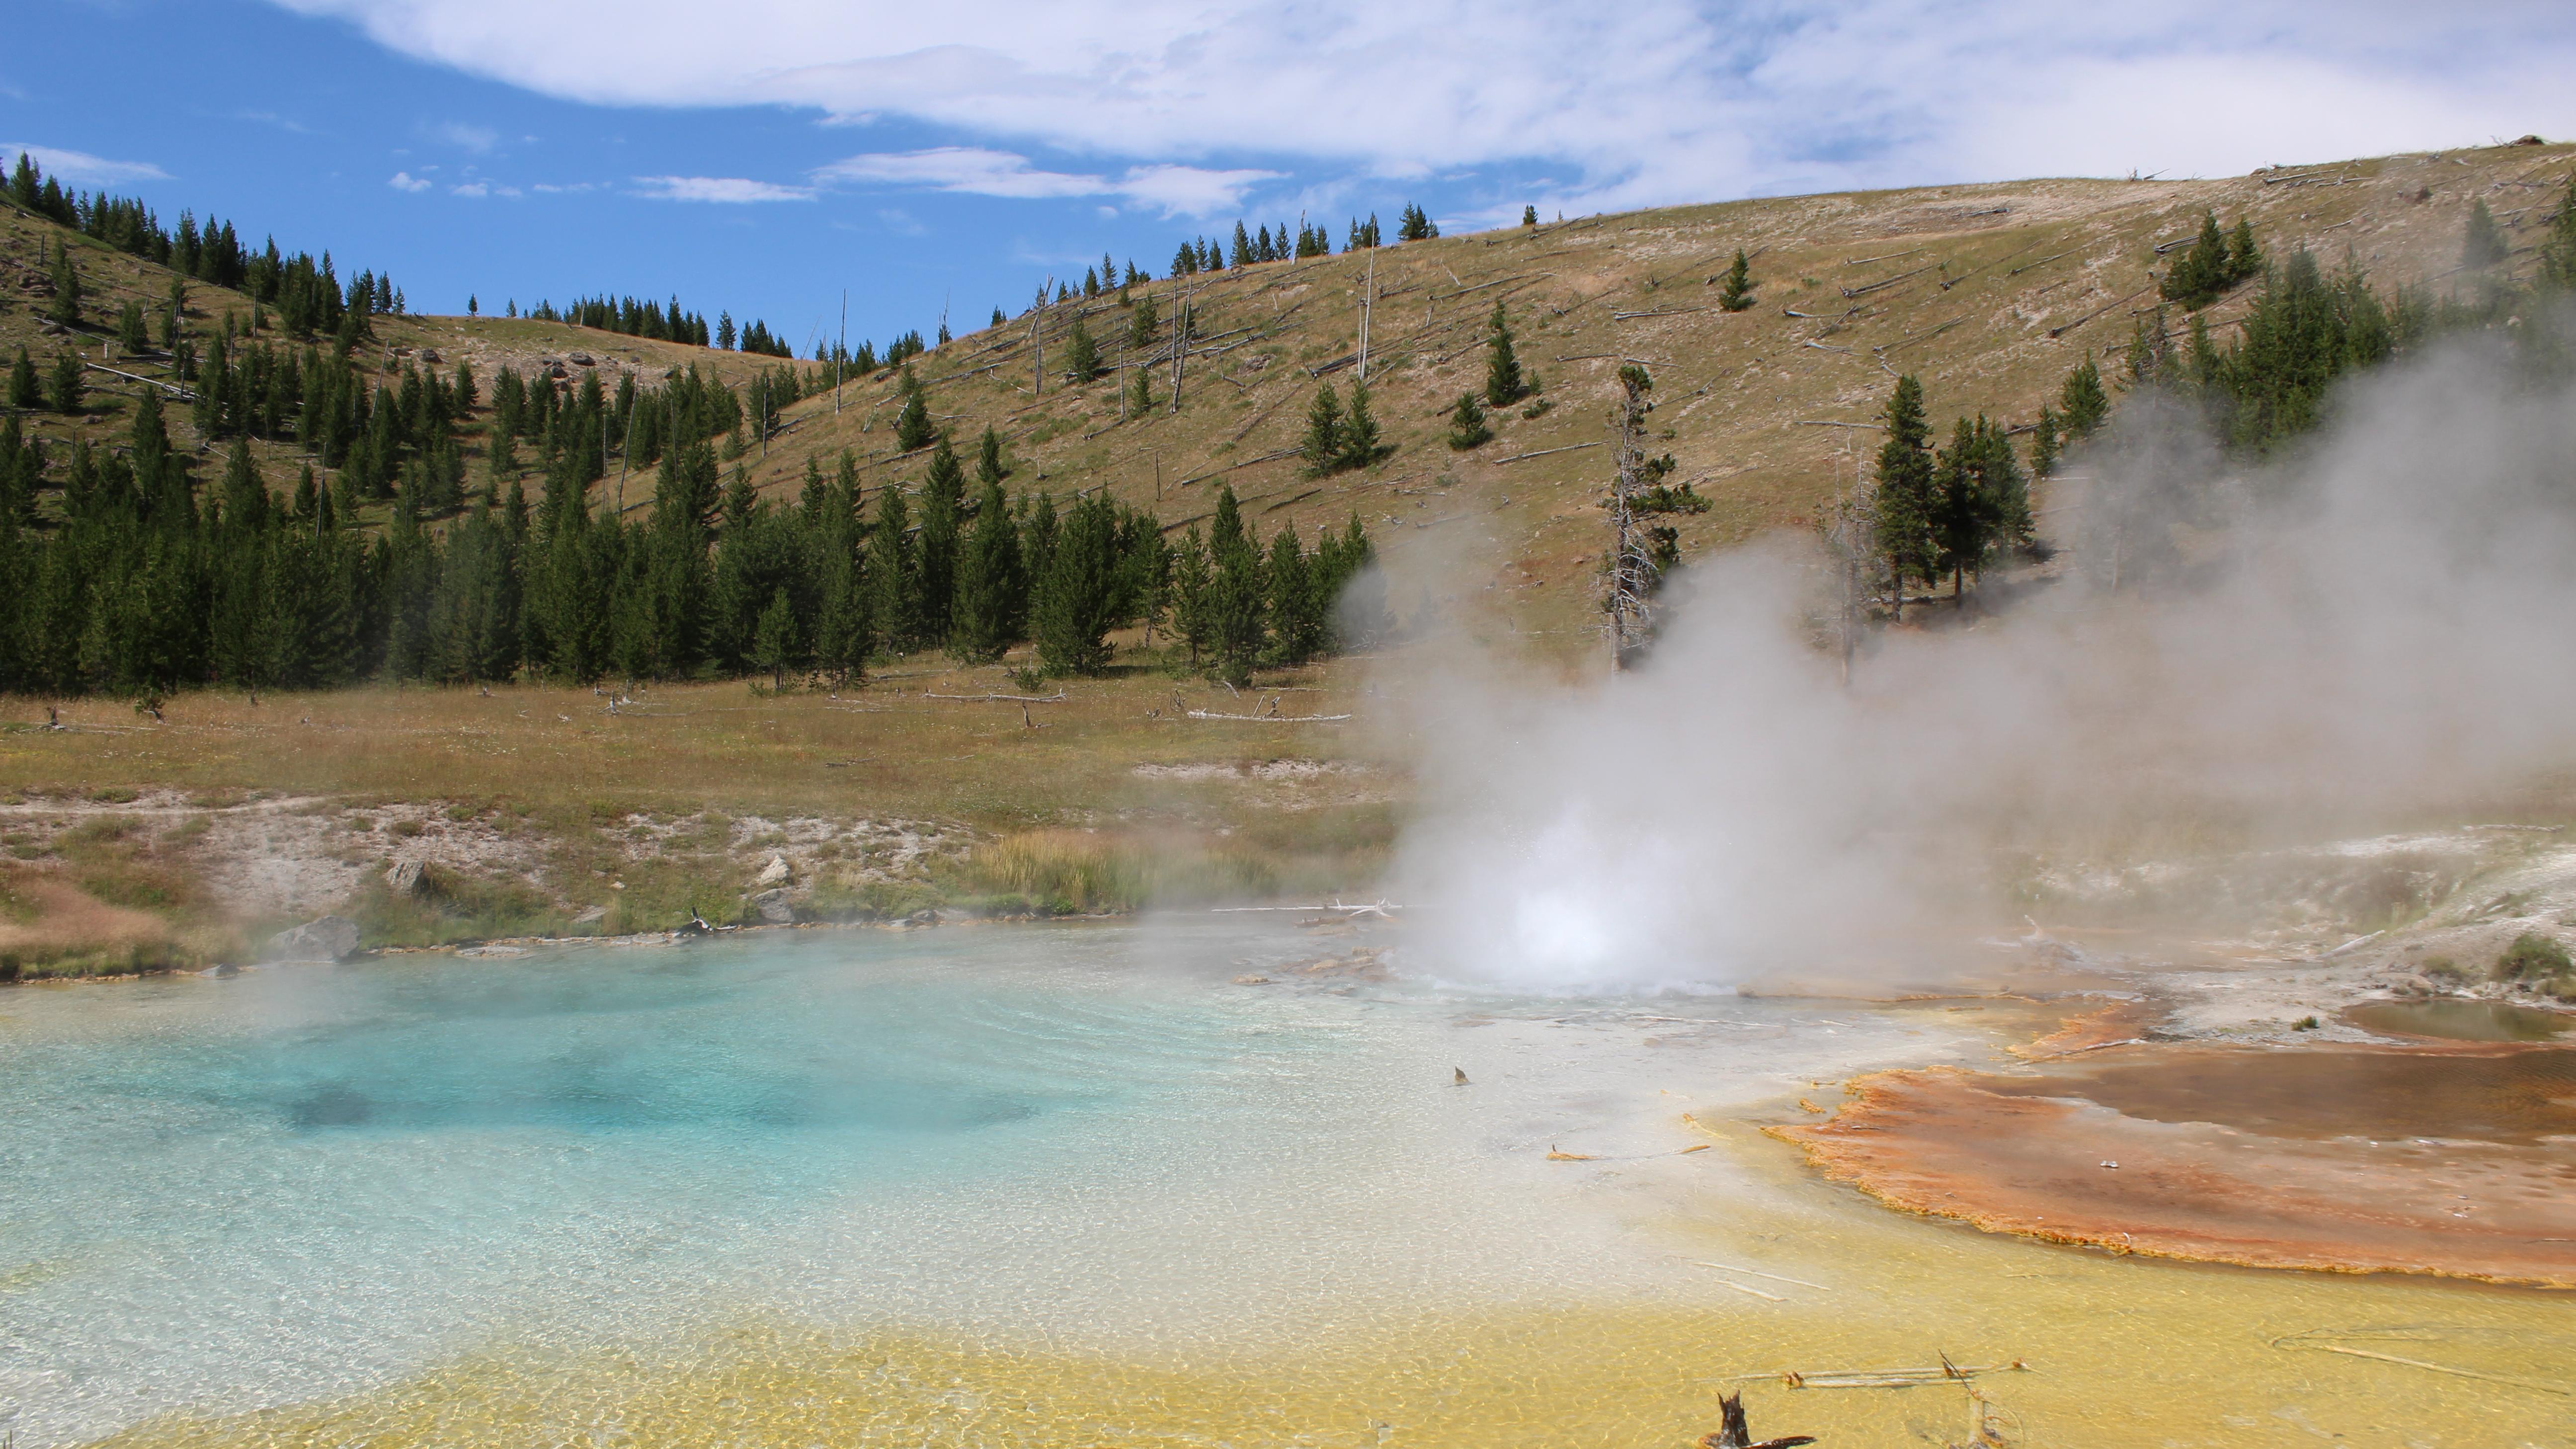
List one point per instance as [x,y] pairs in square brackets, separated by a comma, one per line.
[760,156]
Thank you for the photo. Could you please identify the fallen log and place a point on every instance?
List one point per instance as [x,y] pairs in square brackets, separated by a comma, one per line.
[2055,332]
[1851,292]
[1272,718]
[1543,452]
[1055,698]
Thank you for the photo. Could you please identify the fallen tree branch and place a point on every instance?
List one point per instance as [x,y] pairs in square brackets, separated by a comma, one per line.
[2098,311]
[1919,337]
[1543,452]
[1851,292]
[1055,698]
[1271,718]
[2043,261]
[1246,463]
[2301,1340]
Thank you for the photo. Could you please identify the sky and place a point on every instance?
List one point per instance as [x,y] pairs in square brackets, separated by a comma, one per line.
[766,157]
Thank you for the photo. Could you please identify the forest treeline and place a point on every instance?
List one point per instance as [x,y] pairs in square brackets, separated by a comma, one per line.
[151,582]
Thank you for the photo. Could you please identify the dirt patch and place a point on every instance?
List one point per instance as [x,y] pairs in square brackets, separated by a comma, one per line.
[2230,1156]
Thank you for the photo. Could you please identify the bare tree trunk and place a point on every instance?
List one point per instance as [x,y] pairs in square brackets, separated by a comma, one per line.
[1632,570]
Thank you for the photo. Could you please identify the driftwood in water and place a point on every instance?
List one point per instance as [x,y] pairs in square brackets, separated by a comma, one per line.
[1899,1378]
[1732,1434]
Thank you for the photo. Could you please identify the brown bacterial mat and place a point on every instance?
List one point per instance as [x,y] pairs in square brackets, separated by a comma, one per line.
[2457,1161]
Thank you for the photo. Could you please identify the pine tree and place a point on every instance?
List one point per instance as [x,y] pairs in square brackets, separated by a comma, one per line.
[65,394]
[988,458]
[2483,244]
[1235,596]
[1737,292]
[992,584]
[2558,248]
[1140,391]
[774,641]
[1322,447]
[2044,442]
[1415,225]
[1142,325]
[1191,593]
[1961,527]
[1075,604]
[1529,216]
[2244,257]
[1902,507]
[1467,424]
[2203,272]
[1081,354]
[1242,253]
[1504,384]
[24,394]
[1361,447]
[1297,609]
[66,305]
[2082,401]
[894,574]
[913,429]
[943,491]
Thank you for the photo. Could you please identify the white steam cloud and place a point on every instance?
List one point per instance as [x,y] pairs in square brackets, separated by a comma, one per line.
[2388,622]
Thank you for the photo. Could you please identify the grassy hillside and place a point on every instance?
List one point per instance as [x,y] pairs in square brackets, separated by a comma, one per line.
[135,839]
[1991,293]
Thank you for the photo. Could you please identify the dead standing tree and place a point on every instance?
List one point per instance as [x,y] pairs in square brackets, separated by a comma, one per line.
[1849,538]
[1632,563]
[1037,339]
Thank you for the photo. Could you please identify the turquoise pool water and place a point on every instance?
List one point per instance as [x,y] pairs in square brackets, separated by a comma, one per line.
[301,1182]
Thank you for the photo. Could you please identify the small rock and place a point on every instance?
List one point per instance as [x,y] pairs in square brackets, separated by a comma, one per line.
[922,918]
[773,907]
[328,938]
[429,355]
[595,913]
[403,877]
[773,874]
[580,359]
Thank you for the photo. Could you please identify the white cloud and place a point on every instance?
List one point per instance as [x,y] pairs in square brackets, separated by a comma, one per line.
[724,189]
[980,172]
[477,139]
[405,181]
[471,188]
[1651,101]
[80,166]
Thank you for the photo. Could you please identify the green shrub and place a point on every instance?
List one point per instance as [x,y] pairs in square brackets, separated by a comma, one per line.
[2443,968]
[2533,957]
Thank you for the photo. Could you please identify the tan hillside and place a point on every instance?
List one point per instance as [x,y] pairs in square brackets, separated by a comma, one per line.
[1990,292]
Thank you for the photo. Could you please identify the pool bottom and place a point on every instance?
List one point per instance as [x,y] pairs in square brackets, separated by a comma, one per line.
[1776,1271]
[1574,1376]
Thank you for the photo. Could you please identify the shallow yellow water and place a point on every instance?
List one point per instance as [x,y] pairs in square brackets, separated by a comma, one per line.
[2121,1352]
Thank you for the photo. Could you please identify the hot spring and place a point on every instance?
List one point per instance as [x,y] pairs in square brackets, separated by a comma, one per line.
[1078,1184]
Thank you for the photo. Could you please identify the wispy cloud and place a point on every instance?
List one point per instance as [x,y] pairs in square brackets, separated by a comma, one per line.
[405,181]
[81,166]
[1656,100]
[271,118]
[465,136]
[976,171]
[729,190]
